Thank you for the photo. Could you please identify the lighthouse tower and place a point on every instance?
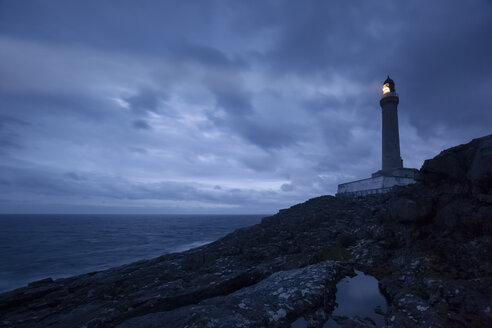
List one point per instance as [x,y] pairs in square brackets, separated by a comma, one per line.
[391,137]
[392,173]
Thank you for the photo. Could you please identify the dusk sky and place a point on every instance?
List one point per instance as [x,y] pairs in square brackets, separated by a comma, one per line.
[227,106]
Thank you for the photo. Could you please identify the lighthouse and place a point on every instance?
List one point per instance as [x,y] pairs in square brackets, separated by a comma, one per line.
[390,136]
[392,172]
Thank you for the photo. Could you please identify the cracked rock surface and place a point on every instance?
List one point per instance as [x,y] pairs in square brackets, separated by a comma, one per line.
[432,260]
[274,301]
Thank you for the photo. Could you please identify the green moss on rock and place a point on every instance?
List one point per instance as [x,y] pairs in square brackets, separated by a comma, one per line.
[334,253]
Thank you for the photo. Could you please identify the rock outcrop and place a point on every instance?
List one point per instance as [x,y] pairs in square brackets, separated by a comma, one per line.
[429,244]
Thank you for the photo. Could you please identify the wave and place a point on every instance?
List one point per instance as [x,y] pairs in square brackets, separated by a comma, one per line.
[186,247]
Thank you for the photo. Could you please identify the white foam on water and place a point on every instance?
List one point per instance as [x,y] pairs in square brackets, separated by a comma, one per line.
[186,247]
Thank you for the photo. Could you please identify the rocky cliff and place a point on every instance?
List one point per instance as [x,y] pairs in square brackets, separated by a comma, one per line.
[429,244]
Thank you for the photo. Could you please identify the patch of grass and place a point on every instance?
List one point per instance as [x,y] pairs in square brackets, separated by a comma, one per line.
[334,253]
[348,240]
[437,264]
[381,270]
[419,292]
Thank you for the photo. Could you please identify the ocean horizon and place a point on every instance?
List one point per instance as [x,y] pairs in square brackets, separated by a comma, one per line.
[38,246]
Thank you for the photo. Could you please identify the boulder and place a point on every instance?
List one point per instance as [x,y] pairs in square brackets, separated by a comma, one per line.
[464,168]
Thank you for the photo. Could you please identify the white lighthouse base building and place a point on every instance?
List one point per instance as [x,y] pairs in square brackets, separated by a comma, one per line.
[378,183]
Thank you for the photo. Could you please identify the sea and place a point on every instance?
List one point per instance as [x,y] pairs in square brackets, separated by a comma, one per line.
[34,247]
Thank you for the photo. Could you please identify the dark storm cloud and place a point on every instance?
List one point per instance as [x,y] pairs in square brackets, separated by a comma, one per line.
[237,116]
[29,107]
[320,103]
[9,138]
[146,100]
[8,142]
[451,73]
[287,187]
[112,24]
[439,57]
[231,98]
[208,56]
[141,125]
[6,120]
[138,150]
[265,136]
[317,37]
[268,136]
[274,102]
[74,176]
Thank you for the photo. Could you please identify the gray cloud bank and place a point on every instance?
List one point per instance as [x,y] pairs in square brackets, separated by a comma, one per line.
[226,107]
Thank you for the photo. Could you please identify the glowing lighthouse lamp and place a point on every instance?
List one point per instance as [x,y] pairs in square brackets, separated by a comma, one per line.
[388,86]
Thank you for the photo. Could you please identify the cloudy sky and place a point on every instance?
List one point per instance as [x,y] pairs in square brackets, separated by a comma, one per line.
[226,106]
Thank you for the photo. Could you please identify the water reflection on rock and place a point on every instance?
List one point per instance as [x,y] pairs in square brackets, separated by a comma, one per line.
[358,300]
[360,304]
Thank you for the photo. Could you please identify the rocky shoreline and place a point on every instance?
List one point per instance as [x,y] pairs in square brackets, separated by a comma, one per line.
[428,244]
